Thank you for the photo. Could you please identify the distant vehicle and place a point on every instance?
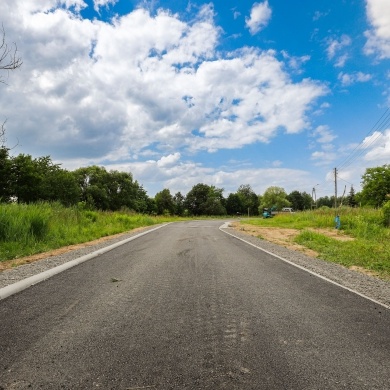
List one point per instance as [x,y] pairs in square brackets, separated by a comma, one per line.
[288,210]
[269,213]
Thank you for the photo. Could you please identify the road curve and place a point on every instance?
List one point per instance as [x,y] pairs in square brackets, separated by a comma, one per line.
[189,307]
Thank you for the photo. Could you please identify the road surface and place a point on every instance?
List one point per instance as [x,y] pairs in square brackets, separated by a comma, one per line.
[190,307]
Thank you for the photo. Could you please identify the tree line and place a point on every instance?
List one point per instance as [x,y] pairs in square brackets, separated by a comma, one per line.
[25,179]
[205,199]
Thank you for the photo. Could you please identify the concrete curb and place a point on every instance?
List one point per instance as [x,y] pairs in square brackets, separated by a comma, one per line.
[26,283]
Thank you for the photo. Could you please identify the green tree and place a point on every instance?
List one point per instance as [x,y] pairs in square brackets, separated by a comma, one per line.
[164,202]
[93,182]
[296,200]
[351,199]
[111,190]
[27,177]
[233,204]
[31,179]
[215,203]
[249,200]
[203,199]
[178,201]
[122,190]
[275,197]
[142,202]
[307,201]
[60,185]
[359,199]
[300,200]
[325,201]
[151,207]
[376,185]
[196,198]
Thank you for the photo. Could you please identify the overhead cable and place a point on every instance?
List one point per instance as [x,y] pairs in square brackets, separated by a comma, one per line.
[359,150]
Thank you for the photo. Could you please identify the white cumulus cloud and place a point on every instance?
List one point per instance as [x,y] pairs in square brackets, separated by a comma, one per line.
[168,161]
[97,4]
[260,15]
[324,135]
[336,49]
[353,78]
[378,147]
[378,37]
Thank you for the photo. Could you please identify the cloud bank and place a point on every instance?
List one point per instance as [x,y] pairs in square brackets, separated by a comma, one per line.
[143,84]
[148,91]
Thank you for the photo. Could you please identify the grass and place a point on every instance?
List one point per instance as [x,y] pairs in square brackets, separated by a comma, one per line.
[370,248]
[30,229]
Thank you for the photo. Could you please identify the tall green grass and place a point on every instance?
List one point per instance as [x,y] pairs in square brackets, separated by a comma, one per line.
[35,228]
[370,248]
[369,254]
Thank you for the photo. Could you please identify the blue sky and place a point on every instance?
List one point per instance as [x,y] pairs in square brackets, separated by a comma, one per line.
[185,92]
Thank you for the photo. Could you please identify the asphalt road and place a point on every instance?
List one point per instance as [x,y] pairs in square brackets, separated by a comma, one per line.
[189,307]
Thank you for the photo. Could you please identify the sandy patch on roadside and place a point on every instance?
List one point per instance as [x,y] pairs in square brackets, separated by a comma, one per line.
[285,237]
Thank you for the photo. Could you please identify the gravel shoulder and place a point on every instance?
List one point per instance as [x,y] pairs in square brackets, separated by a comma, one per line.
[36,264]
[368,285]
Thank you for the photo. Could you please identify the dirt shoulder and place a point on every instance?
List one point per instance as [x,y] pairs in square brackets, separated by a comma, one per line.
[280,236]
[285,237]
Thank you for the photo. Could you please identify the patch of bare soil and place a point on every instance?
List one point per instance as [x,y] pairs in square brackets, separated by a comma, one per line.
[8,264]
[285,237]
[365,271]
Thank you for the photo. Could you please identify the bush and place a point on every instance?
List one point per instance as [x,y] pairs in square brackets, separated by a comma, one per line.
[91,215]
[386,213]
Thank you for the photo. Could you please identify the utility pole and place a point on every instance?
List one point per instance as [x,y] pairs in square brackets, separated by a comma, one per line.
[335,188]
[314,197]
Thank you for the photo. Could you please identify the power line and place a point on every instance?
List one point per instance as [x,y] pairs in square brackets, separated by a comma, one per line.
[370,139]
[345,180]
[359,150]
[362,149]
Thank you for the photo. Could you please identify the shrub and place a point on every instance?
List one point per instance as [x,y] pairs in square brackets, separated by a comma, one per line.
[386,213]
[91,215]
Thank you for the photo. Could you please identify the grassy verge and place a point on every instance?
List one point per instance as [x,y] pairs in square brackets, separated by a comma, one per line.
[370,248]
[29,229]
